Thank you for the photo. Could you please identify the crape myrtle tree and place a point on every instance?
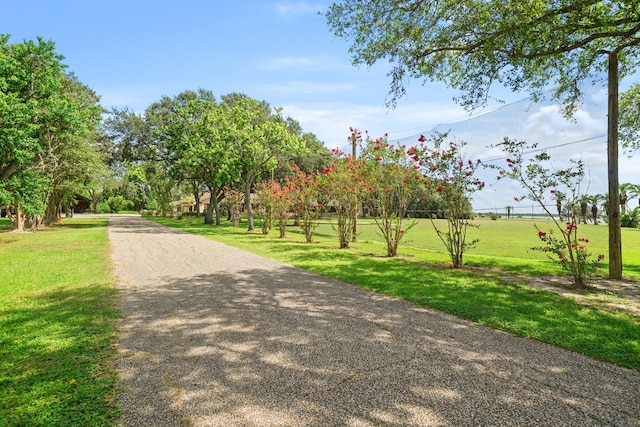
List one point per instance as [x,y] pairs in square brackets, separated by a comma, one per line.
[541,46]
[343,183]
[233,202]
[392,173]
[452,176]
[275,201]
[541,181]
[305,196]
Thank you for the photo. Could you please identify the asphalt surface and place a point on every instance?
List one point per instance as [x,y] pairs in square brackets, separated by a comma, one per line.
[216,336]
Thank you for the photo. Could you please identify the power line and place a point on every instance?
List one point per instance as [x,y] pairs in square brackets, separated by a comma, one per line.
[536,150]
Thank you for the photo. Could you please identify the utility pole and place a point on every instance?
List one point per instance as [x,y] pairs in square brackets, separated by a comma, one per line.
[354,140]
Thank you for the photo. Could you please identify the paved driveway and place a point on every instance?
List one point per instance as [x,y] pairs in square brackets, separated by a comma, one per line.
[215,336]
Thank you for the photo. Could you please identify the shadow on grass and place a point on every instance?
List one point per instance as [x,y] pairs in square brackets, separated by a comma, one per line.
[53,353]
[513,307]
[289,347]
[84,224]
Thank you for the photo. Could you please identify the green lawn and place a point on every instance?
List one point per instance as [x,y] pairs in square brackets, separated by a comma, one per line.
[57,326]
[418,276]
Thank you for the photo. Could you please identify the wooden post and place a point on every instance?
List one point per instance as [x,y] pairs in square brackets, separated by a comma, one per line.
[615,234]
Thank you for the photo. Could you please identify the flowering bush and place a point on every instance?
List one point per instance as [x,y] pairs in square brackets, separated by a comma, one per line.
[393,177]
[274,199]
[343,183]
[540,181]
[233,199]
[448,174]
[571,251]
[304,191]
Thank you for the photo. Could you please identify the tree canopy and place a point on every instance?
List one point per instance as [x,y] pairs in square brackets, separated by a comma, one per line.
[472,45]
[47,119]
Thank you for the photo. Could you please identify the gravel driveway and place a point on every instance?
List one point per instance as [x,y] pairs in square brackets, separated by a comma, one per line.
[215,336]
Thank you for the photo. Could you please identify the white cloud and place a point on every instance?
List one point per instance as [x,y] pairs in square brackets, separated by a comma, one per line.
[331,121]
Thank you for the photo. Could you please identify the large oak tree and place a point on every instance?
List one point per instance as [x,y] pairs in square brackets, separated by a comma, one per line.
[472,45]
[46,120]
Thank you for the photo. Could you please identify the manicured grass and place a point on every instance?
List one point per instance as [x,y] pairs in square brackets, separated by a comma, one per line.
[418,276]
[57,326]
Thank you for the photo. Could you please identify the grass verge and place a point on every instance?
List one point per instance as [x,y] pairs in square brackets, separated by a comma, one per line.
[483,298]
[57,326]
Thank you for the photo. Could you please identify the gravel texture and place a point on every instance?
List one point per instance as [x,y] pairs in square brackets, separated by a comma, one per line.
[215,336]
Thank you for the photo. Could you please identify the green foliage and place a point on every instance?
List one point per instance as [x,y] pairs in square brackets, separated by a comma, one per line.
[31,77]
[631,219]
[518,44]
[261,139]
[629,113]
[119,203]
[202,150]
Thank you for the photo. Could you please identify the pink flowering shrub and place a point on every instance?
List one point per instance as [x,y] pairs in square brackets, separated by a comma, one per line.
[452,177]
[343,184]
[541,182]
[393,177]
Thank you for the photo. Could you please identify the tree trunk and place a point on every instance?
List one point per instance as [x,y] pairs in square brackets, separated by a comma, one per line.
[208,215]
[196,197]
[214,200]
[18,223]
[615,234]
[247,203]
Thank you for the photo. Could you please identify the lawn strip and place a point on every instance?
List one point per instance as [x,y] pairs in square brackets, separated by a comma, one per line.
[58,323]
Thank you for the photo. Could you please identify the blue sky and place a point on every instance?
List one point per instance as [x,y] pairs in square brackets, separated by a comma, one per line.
[134,52]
